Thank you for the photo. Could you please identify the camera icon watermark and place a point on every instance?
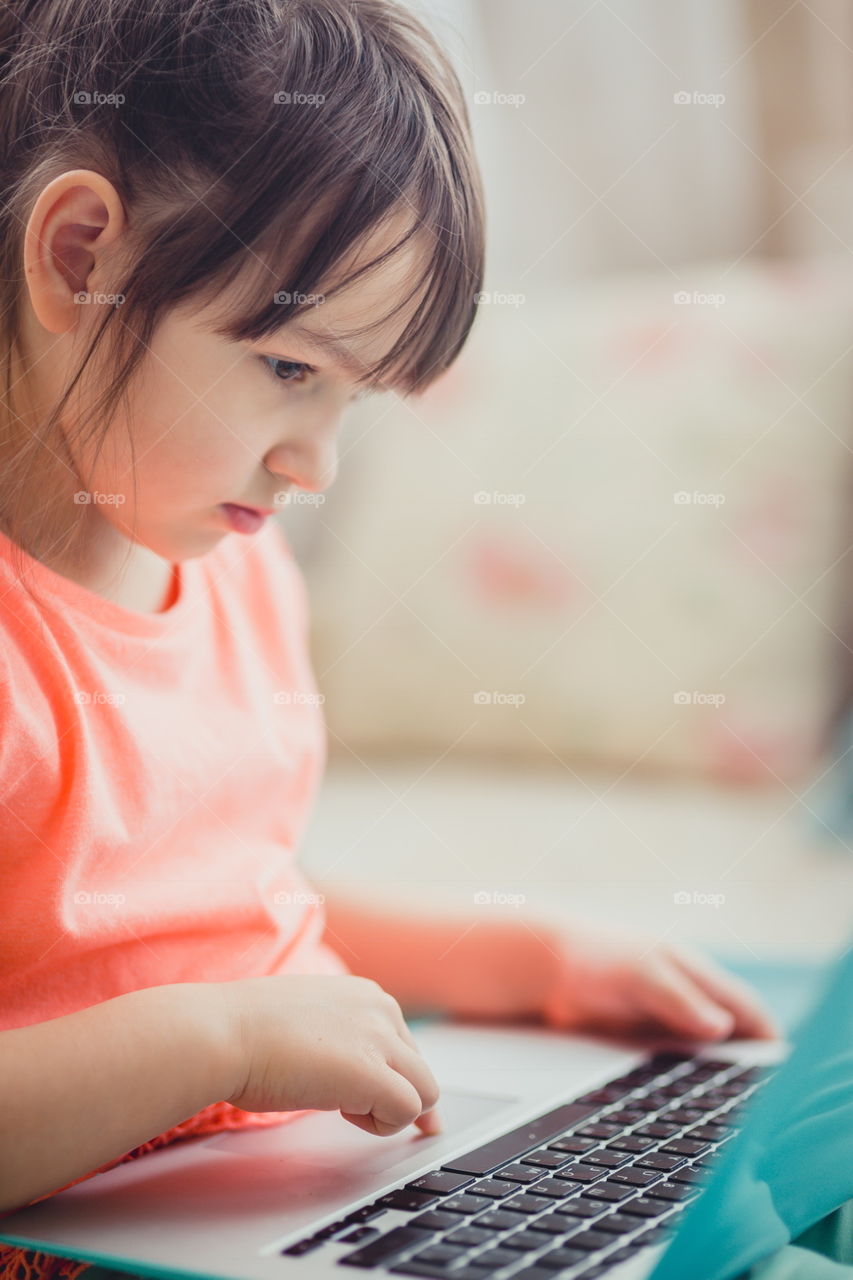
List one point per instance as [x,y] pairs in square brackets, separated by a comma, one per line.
[87,898]
[84,98]
[284,298]
[487,497]
[83,498]
[298,698]
[300,897]
[483,698]
[696,98]
[694,897]
[683,498]
[98,697]
[685,297]
[298,497]
[496,897]
[288,98]
[494,97]
[696,698]
[494,298]
[82,297]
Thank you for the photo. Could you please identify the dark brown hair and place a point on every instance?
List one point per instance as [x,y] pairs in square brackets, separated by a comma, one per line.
[250,138]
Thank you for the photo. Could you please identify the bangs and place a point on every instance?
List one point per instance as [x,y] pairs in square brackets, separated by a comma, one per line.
[379,142]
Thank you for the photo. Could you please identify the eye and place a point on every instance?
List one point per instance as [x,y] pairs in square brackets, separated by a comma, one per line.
[287,371]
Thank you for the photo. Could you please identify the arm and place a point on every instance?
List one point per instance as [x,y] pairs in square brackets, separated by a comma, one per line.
[79,1091]
[467,965]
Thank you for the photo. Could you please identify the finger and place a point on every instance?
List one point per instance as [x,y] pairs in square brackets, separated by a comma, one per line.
[409,1063]
[671,996]
[751,1020]
[398,1105]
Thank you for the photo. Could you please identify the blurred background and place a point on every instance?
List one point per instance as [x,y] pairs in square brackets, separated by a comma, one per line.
[581,612]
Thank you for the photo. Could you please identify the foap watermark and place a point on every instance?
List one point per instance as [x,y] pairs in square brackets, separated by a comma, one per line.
[284,298]
[82,297]
[98,697]
[696,698]
[303,897]
[695,298]
[83,97]
[497,98]
[298,698]
[685,498]
[497,898]
[96,898]
[696,98]
[696,898]
[83,497]
[298,497]
[494,298]
[288,98]
[483,698]
[486,497]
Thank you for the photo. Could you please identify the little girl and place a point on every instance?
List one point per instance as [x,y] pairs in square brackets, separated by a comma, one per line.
[222,220]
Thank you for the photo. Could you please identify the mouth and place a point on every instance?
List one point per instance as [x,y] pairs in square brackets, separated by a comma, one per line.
[245,519]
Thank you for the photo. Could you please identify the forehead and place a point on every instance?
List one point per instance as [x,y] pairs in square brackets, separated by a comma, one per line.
[365,304]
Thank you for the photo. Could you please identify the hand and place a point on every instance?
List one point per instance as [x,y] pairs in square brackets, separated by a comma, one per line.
[327,1043]
[605,980]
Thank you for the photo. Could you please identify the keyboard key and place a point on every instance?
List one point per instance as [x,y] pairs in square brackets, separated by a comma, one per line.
[388,1247]
[547,1159]
[509,1146]
[445,1253]
[690,1176]
[636,1177]
[581,1173]
[605,1159]
[554,1224]
[435,1220]
[631,1142]
[610,1191]
[616,1223]
[302,1246]
[626,1117]
[556,1187]
[602,1130]
[537,1271]
[590,1241]
[492,1188]
[469,1235]
[573,1145]
[500,1220]
[578,1209]
[682,1116]
[441,1181]
[660,1129]
[518,1173]
[491,1259]
[643,1208]
[555,1259]
[663,1163]
[684,1147]
[366,1213]
[358,1233]
[403,1199]
[708,1133]
[526,1241]
[672,1192]
[524,1202]
[465,1203]
[438,1270]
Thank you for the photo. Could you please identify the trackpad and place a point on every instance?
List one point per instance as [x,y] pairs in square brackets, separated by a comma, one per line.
[325,1139]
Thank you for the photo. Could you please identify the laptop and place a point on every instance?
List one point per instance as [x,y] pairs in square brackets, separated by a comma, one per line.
[562,1156]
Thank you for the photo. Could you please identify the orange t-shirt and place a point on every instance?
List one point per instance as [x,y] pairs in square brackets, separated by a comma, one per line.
[157,771]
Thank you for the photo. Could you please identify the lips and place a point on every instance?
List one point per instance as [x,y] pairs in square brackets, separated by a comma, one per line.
[244,519]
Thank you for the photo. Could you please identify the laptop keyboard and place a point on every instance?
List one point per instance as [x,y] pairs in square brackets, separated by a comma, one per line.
[569,1194]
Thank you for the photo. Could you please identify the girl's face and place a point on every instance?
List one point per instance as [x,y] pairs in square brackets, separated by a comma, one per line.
[218,422]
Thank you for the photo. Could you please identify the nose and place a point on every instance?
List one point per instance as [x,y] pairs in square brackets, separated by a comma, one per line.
[309,463]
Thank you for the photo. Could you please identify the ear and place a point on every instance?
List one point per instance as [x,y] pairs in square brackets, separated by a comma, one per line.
[74,220]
